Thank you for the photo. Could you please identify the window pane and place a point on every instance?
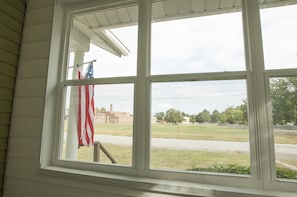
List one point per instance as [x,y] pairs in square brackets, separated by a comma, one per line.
[279,29]
[109,37]
[198,44]
[283,93]
[200,126]
[113,125]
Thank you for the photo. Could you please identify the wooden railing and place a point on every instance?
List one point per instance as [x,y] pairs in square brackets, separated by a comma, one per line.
[97,147]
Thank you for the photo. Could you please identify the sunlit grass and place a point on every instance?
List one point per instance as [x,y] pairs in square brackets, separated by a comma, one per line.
[166,158]
[199,132]
[285,137]
[122,154]
[185,159]
[294,163]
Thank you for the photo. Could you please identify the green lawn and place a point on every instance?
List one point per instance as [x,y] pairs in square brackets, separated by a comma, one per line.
[168,159]
[185,159]
[194,132]
[162,158]
[199,132]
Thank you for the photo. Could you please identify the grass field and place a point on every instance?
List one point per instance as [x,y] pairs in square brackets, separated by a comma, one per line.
[195,132]
[162,158]
[168,159]
[179,160]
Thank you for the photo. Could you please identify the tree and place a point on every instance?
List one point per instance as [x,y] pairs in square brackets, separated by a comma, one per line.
[229,113]
[234,115]
[102,109]
[283,92]
[203,116]
[223,118]
[160,116]
[193,119]
[173,116]
[215,116]
[243,108]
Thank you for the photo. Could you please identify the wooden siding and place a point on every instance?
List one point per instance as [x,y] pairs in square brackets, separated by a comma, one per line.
[11,24]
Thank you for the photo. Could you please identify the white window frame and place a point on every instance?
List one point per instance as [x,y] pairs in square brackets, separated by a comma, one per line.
[140,175]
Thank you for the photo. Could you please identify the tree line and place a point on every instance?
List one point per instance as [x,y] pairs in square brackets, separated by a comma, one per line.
[283,95]
[231,115]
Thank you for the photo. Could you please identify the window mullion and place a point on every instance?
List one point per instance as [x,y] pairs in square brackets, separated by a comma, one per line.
[142,114]
[257,97]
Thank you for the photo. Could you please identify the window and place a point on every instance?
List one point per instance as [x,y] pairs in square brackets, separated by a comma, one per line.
[99,87]
[179,92]
[203,126]
[280,62]
[183,136]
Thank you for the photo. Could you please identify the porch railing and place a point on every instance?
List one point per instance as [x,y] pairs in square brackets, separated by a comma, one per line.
[97,147]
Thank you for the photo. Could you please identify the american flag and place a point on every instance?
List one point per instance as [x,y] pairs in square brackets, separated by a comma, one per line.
[86,110]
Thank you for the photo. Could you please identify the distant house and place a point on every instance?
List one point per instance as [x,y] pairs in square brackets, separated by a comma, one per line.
[186,120]
[114,117]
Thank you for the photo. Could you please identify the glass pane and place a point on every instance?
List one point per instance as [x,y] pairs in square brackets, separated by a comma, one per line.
[200,126]
[189,43]
[107,36]
[283,93]
[279,29]
[112,123]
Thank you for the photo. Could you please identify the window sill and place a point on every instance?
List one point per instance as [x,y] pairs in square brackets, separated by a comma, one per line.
[153,186]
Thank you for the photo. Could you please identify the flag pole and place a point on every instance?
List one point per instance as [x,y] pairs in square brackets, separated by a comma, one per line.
[72,135]
[85,63]
[80,64]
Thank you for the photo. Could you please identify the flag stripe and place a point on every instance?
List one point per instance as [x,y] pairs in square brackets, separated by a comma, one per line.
[86,109]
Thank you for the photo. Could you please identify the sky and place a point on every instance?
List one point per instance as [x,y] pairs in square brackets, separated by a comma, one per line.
[204,44]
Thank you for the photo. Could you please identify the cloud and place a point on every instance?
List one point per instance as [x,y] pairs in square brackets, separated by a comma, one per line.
[279,29]
[193,97]
[204,44]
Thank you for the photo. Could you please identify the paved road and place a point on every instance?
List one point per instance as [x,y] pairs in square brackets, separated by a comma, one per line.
[287,149]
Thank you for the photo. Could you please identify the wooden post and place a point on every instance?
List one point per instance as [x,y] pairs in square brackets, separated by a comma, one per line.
[107,154]
[97,147]
[96,151]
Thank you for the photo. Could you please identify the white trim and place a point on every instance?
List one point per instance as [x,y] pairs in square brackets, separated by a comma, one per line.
[97,81]
[200,76]
[153,186]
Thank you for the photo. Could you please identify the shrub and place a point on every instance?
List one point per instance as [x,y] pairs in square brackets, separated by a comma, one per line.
[225,168]
[281,173]
[285,173]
